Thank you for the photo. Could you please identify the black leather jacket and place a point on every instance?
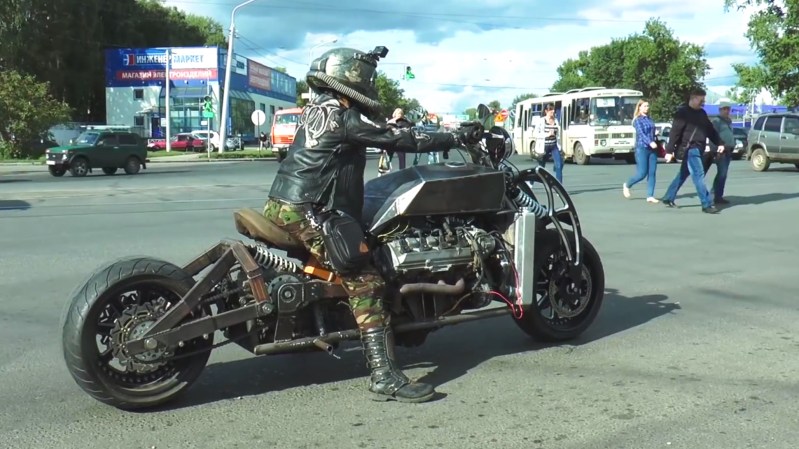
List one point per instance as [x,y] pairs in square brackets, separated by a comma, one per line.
[326,162]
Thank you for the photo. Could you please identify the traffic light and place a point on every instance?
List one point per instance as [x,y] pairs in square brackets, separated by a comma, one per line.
[208,107]
[408,74]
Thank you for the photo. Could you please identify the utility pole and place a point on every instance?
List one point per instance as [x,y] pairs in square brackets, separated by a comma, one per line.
[167,99]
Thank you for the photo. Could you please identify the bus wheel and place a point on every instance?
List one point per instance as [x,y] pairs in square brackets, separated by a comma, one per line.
[580,158]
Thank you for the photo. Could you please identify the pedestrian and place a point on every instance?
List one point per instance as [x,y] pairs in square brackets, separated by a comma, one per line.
[399,121]
[261,141]
[547,132]
[723,126]
[646,158]
[690,129]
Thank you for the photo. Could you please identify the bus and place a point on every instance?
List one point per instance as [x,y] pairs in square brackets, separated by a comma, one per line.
[594,122]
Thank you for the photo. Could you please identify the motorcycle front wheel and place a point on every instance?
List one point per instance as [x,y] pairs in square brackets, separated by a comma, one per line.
[563,308]
[118,303]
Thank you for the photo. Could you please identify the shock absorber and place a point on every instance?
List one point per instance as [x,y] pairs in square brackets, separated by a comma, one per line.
[522,199]
[269,260]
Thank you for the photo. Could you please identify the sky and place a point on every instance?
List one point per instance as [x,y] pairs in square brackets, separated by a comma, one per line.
[465,53]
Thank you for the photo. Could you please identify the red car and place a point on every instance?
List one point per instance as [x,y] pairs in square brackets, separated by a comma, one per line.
[180,142]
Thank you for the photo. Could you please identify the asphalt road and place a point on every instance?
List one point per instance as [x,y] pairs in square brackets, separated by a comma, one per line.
[695,346]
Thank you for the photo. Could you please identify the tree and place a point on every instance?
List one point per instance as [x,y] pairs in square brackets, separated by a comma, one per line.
[61,42]
[391,96]
[656,63]
[27,110]
[773,32]
[302,88]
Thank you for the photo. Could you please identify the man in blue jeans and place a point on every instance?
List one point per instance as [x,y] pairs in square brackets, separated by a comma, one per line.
[690,129]
[723,125]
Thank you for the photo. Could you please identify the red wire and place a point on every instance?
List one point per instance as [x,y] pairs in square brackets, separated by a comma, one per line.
[510,304]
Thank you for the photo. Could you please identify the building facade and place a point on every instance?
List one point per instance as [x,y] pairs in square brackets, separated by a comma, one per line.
[135,90]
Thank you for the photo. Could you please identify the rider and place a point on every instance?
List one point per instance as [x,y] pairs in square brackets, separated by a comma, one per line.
[324,172]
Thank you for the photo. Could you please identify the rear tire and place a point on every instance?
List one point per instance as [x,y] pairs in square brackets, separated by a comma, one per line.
[132,165]
[549,262]
[91,314]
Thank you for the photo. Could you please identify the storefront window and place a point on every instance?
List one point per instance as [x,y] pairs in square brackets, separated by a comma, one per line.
[184,108]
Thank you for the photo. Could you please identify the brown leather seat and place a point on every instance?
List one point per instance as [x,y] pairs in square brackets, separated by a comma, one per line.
[252,224]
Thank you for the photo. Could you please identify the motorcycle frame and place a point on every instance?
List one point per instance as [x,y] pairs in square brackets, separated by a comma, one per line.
[220,258]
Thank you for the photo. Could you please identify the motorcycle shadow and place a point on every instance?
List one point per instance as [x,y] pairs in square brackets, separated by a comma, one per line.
[447,355]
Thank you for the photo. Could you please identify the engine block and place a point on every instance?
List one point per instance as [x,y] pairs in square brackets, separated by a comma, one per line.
[436,250]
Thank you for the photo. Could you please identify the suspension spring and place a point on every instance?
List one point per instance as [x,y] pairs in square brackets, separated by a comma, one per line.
[269,260]
[522,199]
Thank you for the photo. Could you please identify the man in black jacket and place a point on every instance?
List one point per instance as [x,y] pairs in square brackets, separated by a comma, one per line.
[690,130]
[324,172]
[398,120]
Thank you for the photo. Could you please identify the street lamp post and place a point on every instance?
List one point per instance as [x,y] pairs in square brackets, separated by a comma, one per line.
[228,64]
[310,60]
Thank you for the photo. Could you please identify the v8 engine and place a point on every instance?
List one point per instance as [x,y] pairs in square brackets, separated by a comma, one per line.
[436,250]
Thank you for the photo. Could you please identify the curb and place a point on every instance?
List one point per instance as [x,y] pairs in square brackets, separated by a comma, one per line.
[157,161]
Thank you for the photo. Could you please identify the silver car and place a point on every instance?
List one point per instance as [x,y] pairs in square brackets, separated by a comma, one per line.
[774,138]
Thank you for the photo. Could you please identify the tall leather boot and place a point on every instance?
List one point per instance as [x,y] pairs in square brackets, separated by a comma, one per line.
[387,381]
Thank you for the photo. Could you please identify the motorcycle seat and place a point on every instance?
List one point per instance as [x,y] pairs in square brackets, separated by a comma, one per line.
[252,224]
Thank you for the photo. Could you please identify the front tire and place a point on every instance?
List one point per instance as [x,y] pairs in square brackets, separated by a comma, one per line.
[557,319]
[56,170]
[760,160]
[115,296]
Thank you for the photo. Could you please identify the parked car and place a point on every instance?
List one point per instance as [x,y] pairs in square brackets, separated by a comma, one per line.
[108,150]
[741,150]
[662,131]
[180,142]
[203,134]
[774,138]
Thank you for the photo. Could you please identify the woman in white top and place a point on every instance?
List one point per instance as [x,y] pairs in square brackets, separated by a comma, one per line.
[547,133]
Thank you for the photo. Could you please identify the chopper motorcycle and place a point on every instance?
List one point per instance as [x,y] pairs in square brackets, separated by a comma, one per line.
[451,240]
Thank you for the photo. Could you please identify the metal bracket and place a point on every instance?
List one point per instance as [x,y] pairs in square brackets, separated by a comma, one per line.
[222,257]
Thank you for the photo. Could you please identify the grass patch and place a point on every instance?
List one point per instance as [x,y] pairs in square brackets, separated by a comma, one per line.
[246,154]
[164,153]
[31,161]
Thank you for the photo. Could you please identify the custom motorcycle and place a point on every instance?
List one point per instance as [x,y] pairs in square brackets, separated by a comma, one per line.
[451,239]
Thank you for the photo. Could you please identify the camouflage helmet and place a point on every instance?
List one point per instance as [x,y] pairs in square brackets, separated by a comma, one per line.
[348,72]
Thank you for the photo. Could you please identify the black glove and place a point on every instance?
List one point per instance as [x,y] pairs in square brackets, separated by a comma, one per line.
[469,134]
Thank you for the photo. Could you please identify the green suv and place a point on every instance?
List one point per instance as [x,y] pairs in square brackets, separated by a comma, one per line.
[108,150]
[774,138]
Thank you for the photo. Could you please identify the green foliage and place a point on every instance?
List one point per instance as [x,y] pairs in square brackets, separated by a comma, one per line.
[62,42]
[391,96]
[654,62]
[246,154]
[773,32]
[27,110]
[521,97]
[302,87]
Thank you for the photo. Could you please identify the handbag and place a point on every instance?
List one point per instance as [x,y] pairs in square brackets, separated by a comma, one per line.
[345,243]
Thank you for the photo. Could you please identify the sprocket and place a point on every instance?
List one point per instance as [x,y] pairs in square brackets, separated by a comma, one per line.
[135,321]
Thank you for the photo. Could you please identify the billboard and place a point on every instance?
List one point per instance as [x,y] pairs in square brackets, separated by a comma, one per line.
[259,76]
[147,66]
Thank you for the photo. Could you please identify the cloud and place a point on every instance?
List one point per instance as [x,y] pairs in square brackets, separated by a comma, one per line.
[463,53]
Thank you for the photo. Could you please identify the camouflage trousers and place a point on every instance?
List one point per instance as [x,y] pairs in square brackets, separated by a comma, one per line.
[367,301]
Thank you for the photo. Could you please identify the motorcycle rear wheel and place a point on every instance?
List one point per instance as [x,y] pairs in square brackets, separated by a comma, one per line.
[550,260]
[101,306]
